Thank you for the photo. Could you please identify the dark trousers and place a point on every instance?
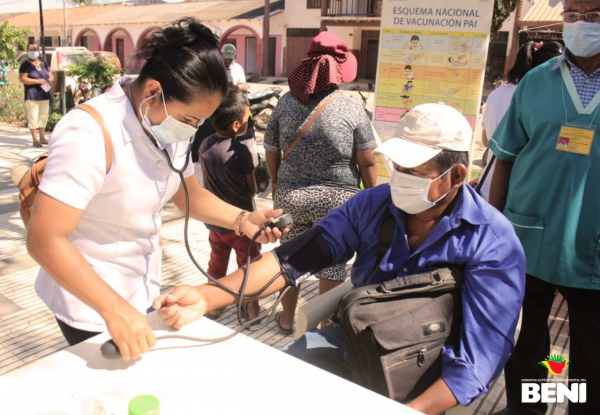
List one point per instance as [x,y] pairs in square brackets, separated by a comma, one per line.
[221,245]
[73,335]
[533,345]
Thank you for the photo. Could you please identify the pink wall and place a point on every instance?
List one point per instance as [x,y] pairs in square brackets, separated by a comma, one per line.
[278,50]
[93,40]
[127,46]
[241,51]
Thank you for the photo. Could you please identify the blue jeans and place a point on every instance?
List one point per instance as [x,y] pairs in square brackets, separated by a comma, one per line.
[324,348]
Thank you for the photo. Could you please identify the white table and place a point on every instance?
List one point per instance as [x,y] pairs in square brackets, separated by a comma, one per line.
[238,376]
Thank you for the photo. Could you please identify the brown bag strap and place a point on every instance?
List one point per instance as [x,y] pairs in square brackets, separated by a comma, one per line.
[107,141]
[308,124]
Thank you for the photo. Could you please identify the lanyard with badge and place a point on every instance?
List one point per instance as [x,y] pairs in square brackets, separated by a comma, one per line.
[576,138]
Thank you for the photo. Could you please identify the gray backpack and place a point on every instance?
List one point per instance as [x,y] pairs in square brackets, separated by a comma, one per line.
[395,331]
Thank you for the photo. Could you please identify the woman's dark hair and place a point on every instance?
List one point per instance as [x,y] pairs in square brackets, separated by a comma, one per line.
[184,57]
[231,109]
[530,55]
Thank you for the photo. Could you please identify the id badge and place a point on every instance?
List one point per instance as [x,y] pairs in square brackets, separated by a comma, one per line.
[576,138]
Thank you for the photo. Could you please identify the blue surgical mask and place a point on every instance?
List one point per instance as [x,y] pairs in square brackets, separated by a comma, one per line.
[33,54]
[170,130]
[582,38]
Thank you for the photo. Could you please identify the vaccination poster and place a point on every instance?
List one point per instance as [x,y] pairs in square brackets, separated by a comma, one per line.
[430,51]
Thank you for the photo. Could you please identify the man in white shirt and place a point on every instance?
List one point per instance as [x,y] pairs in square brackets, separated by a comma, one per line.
[235,71]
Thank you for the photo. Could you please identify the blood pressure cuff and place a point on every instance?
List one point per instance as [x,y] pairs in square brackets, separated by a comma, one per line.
[307,253]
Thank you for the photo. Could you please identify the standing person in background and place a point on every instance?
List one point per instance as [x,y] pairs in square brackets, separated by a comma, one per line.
[530,55]
[37,78]
[237,77]
[235,71]
[546,183]
[326,166]
[228,173]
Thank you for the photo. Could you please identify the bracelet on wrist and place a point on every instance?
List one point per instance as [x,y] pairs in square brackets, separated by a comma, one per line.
[238,223]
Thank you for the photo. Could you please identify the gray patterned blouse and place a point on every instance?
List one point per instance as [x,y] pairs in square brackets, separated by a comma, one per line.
[325,154]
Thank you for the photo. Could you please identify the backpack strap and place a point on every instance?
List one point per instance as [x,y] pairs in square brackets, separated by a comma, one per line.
[384,240]
[100,121]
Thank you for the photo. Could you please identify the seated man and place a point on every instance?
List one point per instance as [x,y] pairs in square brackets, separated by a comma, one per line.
[440,220]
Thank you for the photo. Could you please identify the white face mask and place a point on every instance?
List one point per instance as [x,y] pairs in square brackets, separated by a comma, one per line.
[582,38]
[170,130]
[33,54]
[410,193]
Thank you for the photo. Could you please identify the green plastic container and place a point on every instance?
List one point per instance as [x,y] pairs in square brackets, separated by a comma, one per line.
[144,405]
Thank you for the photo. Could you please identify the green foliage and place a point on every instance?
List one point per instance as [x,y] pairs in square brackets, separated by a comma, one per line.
[53,119]
[12,103]
[10,37]
[502,11]
[82,2]
[98,72]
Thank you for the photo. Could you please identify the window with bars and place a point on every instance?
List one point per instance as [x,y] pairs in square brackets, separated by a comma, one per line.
[302,32]
[313,4]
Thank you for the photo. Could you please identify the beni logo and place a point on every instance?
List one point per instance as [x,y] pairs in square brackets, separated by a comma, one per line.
[555,363]
[553,392]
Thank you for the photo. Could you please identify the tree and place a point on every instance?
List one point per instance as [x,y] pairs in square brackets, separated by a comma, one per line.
[502,10]
[81,2]
[99,72]
[10,37]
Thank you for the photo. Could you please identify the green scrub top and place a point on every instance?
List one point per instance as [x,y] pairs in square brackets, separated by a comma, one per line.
[553,196]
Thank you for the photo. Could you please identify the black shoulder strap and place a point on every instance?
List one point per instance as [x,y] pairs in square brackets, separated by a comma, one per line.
[386,234]
[384,240]
[485,174]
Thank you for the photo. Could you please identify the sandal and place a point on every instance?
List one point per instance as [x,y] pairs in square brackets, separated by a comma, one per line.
[282,329]
[247,316]
[37,144]
[215,314]
[43,141]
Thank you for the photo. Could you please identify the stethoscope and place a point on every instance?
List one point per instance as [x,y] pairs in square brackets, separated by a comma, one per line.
[241,294]
[109,348]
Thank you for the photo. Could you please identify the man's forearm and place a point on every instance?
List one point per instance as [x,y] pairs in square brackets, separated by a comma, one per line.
[437,399]
[499,184]
[262,271]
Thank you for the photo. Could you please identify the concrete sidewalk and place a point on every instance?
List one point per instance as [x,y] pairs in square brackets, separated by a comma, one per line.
[29,332]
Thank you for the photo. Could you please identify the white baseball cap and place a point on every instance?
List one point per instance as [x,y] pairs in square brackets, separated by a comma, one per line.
[425,132]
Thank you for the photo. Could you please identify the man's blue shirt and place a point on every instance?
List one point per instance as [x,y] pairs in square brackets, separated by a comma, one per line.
[475,235]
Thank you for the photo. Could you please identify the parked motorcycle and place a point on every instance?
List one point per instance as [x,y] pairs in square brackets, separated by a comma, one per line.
[261,107]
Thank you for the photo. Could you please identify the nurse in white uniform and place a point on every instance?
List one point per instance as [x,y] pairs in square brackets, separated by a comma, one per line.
[95,232]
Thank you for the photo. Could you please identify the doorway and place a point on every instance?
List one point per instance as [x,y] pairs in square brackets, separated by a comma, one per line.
[372,52]
[120,46]
[251,53]
[272,55]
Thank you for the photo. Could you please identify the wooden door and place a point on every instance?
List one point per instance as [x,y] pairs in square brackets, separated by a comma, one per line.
[121,51]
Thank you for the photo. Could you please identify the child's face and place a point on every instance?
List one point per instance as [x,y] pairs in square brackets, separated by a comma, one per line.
[414,43]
